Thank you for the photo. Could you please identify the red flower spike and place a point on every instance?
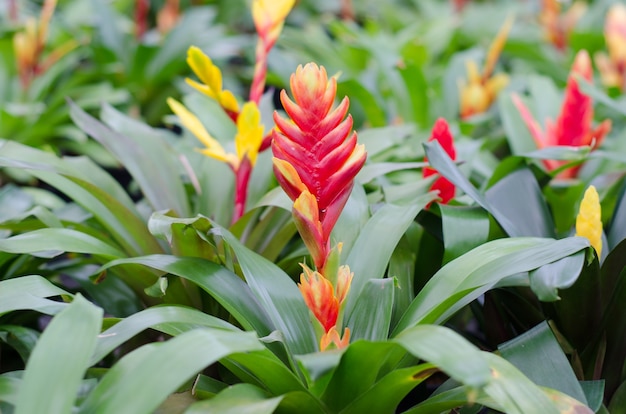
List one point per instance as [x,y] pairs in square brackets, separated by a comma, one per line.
[573,127]
[319,145]
[441,133]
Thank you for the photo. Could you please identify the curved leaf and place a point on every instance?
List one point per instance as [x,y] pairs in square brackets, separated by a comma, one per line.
[29,293]
[143,379]
[237,399]
[62,353]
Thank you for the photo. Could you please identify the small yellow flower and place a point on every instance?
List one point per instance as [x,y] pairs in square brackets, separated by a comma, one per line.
[588,221]
[247,140]
[211,77]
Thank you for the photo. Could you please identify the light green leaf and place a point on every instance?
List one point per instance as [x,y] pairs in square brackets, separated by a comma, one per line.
[62,353]
[377,294]
[237,399]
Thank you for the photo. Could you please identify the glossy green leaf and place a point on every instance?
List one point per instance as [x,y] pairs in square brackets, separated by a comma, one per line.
[352,378]
[463,229]
[548,279]
[277,294]
[374,170]
[62,353]
[143,379]
[20,338]
[372,250]
[467,277]
[29,292]
[226,287]
[52,242]
[9,389]
[148,158]
[519,198]
[507,387]
[368,325]
[156,318]
[237,399]
[539,356]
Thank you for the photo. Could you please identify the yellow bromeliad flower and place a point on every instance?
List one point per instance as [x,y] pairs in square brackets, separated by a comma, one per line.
[480,90]
[588,221]
[247,140]
[211,77]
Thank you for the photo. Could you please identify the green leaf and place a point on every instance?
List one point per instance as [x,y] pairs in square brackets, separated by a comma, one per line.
[539,356]
[159,317]
[52,242]
[277,294]
[62,353]
[509,390]
[143,379]
[237,399]
[377,240]
[9,389]
[368,325]
[145,154]
[467,277]
[464,228]
[226,287]
[28,292]
[20,338]
[548,279]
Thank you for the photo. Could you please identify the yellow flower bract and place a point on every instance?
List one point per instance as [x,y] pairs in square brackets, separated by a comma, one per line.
[588,221]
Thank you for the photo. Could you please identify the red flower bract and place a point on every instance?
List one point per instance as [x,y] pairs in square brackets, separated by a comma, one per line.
[441,133]
[319,144]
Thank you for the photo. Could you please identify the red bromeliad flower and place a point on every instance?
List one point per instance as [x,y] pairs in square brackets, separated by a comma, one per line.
[441,133]
[573,127]
[316,156]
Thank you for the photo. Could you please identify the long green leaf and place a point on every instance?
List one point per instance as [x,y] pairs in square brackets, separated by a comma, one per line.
[501,381]
[62,353]
[149,160]
[237,399]
[368,325]
[470,275]
[143,379]
[52,242]
[226,287]
[155,317]
[29,293]
[9,389]
[277,294]
[372,250]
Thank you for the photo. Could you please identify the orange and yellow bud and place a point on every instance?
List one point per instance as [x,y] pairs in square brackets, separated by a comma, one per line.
[588,221]
[573,127]
[480,90]
[332,340]
[557,25]
[612,67]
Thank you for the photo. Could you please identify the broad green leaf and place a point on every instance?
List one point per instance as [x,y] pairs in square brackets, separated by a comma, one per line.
[143,379]
[464,228]
[377,294]
[9,389]
[147,157]
[29,292]
[374,170]
[539,356]
[52,242]
[385,395]
[20,338]
[480,371]
[156,318]
[226,287]
[237,399]
[416,85]
[548,279]
[352,377]
[519,198]
[372,250]
[467,277]
[62,353]
[277,294]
